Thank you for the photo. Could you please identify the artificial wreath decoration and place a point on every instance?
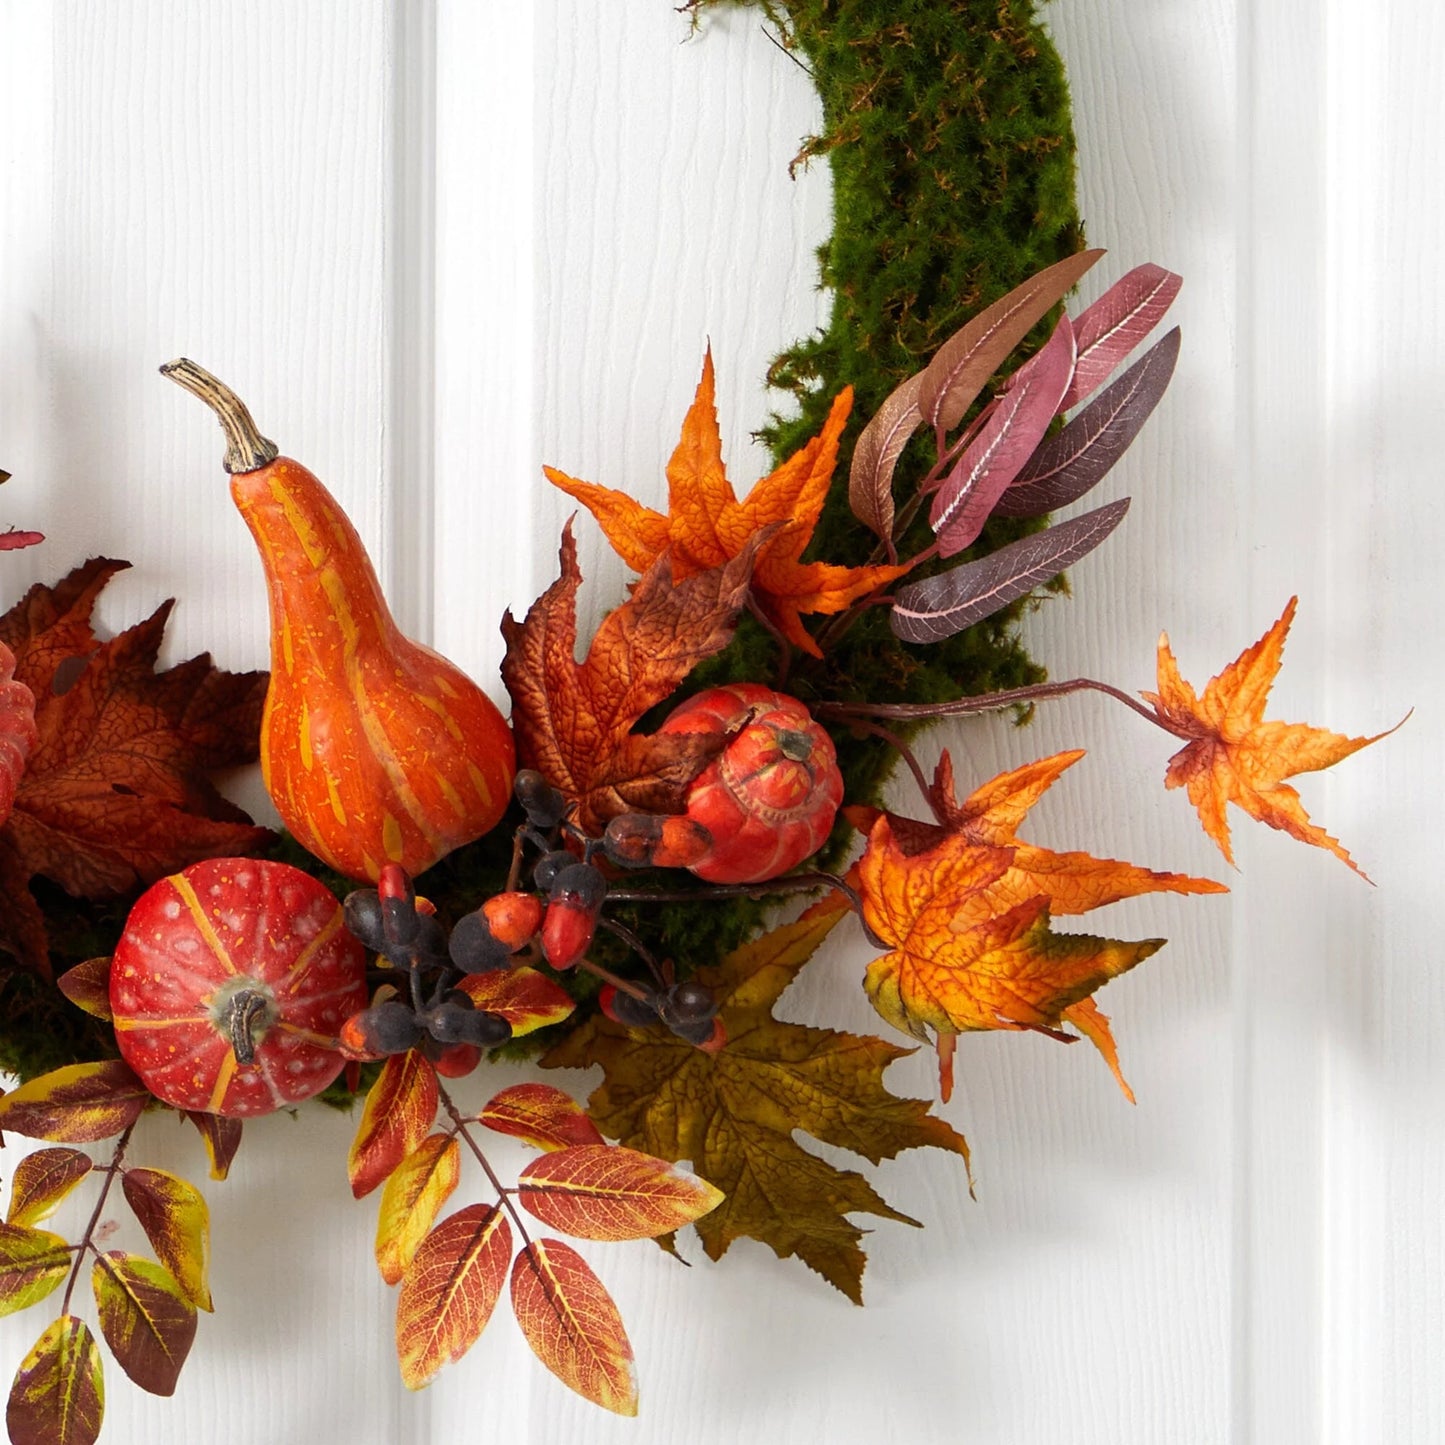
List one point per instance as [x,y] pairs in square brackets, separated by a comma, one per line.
[598,878]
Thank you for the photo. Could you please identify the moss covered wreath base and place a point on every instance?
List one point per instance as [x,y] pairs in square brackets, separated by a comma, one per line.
[596,880]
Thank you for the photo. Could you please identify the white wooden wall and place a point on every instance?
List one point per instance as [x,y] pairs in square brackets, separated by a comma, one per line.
[438,243]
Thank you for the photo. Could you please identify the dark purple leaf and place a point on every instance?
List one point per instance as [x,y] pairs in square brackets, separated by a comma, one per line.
[1002,448]
[938,607]
[876,453]
[970,356]
[1067,464]
[1116,323]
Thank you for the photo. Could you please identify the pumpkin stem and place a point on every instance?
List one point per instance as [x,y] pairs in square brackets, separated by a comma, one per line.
[248,1011]
[794,744]
[246,449]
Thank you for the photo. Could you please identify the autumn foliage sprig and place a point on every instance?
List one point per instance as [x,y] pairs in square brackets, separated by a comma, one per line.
[737,787]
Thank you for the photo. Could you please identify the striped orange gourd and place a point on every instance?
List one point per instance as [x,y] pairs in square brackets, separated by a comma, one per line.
[374,748]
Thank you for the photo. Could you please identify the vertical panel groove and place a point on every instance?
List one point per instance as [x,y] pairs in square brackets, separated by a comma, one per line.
[1287,911]
[411,290]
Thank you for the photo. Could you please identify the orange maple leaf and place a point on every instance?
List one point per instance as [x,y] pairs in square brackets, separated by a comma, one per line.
[1234,755]
[959,961]
[991,815]
[706,526]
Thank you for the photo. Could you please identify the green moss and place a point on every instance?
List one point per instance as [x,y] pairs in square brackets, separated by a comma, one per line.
[947,129]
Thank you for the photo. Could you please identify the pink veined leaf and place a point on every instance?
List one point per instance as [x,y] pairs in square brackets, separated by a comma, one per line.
[876,453]
[1067,464]
[1116,323]
[964,363]
[940,606]
[1002,448]
[11,540]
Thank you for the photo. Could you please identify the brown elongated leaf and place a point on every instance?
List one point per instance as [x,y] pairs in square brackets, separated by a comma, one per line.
[573,721]
[411,1200]
[87,986]
[177,1222]
[221,1136]
[145,1317]
[116,793]
[1116,323]
[1070,462]
[1004,443]
[76,1104]
[32,1264]
[525,997]
[572,1325]
[964,363]
[542,1115]
[42,1180]
[396,1117]
[605,1191]
[450,1289]
[18,735]
[734,1114]
[876,453]
[58,1396]
[940,606]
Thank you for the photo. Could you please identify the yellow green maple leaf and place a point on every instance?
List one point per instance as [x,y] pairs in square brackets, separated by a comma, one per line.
[734,1113]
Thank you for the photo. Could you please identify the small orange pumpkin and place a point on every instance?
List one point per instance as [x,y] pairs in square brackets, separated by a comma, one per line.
[374,749]
[770,797]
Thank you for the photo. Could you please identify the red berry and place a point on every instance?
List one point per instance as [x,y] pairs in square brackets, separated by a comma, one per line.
[457,1061]
[576,900]
[640,840]
[513,918]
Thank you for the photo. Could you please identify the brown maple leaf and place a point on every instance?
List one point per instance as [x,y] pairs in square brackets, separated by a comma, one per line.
[1234,755]
[573,721]
[733,1114]
[706,525]
[962,959]
[115,794]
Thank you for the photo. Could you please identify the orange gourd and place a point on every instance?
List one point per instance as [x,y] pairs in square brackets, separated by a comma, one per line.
[374,749]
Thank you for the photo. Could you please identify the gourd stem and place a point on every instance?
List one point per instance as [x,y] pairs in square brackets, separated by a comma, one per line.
[246,449]
[245,1010]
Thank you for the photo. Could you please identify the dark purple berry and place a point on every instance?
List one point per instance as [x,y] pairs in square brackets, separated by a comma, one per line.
[390,1027]
[580,886]
[362,910]
[544,806]
[549,865]
[626,1009]
[687,1003]
[474,948]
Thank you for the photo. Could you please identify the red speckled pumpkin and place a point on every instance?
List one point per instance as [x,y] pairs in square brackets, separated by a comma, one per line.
[229,984]
[770,797]
[374,749]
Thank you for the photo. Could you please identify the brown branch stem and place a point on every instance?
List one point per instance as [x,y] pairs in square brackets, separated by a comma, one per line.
[844,712]
[459,1123]
[110,1171]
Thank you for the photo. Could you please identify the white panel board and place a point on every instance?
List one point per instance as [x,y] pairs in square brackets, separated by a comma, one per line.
[439,244]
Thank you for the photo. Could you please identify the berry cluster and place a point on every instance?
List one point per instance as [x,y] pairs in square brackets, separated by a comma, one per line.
[435,1016]
[419,1004]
